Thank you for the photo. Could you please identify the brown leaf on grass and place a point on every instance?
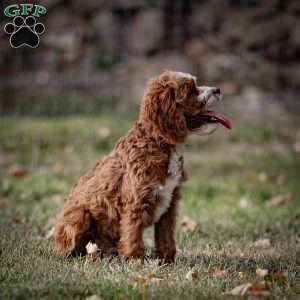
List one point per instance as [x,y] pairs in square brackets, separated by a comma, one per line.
[255,288]
[50,228]
[192,275]
[188,224]
[259,177]
[104,132]
[244,203]
[262,177]
[17,170]
[261,272]
[260,289]
[279,200]
[141,282]
[93,297]
[59,166]
[218,272]
[296,147]
[50,233]
[92,250]
[240,290]
[262,243]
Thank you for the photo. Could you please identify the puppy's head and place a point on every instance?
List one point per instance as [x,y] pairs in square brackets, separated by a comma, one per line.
[176,106]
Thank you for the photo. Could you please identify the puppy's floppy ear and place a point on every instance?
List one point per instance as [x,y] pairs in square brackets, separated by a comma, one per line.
[160,109]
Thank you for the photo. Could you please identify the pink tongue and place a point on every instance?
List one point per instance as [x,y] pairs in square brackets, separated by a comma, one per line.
[221,119]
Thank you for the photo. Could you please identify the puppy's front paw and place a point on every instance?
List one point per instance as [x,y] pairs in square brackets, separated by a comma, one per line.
[166,257]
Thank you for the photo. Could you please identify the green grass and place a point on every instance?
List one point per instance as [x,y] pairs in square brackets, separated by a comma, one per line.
[231,177]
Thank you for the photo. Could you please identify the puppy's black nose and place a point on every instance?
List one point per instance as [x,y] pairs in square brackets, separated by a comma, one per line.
[216,91]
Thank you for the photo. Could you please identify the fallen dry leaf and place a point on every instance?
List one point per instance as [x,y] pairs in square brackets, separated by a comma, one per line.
[260,289]
[279,200]
[261,272]
[263,243]
[17,170]
[50,233]
[104,132]
[296,147]
[244,203]
[59,166]
[255,288]
[188,224]
[192,275]
[262,177]
[92,250]
[50,228]
[218,272]
[240,290]
[141,282]
[94,297]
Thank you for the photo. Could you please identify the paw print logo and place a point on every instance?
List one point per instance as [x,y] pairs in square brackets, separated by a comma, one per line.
[24,32]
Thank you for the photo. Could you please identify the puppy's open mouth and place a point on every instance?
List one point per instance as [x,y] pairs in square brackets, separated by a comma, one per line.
[208,117]
[212,117]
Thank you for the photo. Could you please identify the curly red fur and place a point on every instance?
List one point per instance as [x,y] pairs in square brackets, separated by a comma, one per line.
[122,194]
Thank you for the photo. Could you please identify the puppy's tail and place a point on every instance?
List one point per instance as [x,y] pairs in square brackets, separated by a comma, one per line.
[71,231]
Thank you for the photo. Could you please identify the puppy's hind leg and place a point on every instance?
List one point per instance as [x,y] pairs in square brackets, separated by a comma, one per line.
[73,230]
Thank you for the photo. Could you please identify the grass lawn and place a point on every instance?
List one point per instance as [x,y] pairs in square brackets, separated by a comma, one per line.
[232,177]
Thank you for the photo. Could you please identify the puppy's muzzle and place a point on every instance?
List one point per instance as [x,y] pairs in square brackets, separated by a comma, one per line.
[209,95]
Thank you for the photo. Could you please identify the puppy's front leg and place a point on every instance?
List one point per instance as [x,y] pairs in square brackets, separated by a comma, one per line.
[164,231]
[131,243]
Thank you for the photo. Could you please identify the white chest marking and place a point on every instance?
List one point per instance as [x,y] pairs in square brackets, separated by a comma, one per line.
[165,191]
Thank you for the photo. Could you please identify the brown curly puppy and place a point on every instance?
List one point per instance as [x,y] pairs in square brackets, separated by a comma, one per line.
[138,183]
